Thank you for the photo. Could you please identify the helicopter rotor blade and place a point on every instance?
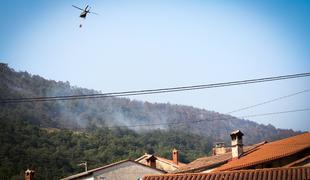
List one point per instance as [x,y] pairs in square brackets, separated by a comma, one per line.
[93,13]
[77,8]
[88,11]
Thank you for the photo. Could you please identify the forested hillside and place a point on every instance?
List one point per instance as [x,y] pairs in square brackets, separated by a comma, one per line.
[77,114]
[83,128]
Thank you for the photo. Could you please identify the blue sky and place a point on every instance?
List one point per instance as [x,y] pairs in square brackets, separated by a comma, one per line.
[134,45]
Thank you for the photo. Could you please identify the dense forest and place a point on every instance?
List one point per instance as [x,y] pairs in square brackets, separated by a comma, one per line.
[55,153]
[52,137]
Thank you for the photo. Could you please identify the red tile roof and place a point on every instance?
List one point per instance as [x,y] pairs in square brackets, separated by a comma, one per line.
[167,161]
[180,164]
[296,173]
[210,162]
[269,152]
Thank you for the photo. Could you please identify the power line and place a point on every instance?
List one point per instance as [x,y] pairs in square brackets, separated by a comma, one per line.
[215,119]
[269,101]
[153,91]
[274,113]
[259,104]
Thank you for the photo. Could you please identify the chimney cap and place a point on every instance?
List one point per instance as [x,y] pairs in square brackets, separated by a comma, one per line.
[29,172]
[174,150]
[236,133]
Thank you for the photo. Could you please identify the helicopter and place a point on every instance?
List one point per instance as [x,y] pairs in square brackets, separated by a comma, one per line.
[84,12]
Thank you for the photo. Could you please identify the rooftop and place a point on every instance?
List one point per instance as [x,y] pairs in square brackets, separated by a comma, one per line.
[164,160]
[270,151]
[296,173]
[87,173]
[209,162]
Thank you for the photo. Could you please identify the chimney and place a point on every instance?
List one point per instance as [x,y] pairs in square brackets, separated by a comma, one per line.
[219,148]
[151,161]
[29,174]
[236,144]
[175,156]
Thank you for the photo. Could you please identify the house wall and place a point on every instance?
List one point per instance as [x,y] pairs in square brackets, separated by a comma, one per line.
[208,170]
[84,178]
[127,170]
[89,178]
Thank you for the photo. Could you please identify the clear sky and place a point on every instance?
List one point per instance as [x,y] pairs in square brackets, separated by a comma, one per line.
[133,45]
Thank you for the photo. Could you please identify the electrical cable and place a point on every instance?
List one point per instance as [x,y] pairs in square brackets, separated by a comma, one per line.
[274,113]
[152,91]
[269,101]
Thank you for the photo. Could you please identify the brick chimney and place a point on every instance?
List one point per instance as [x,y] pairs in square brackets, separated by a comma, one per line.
[151,161]
[175,156]
[236,144]
[29,174]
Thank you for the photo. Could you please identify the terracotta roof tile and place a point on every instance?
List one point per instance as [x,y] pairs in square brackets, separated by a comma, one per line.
[180,164]
[296,173]
[213,161]
[167,161]
[269,152]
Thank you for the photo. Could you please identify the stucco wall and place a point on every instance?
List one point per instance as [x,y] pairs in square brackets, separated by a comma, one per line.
[126,170]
